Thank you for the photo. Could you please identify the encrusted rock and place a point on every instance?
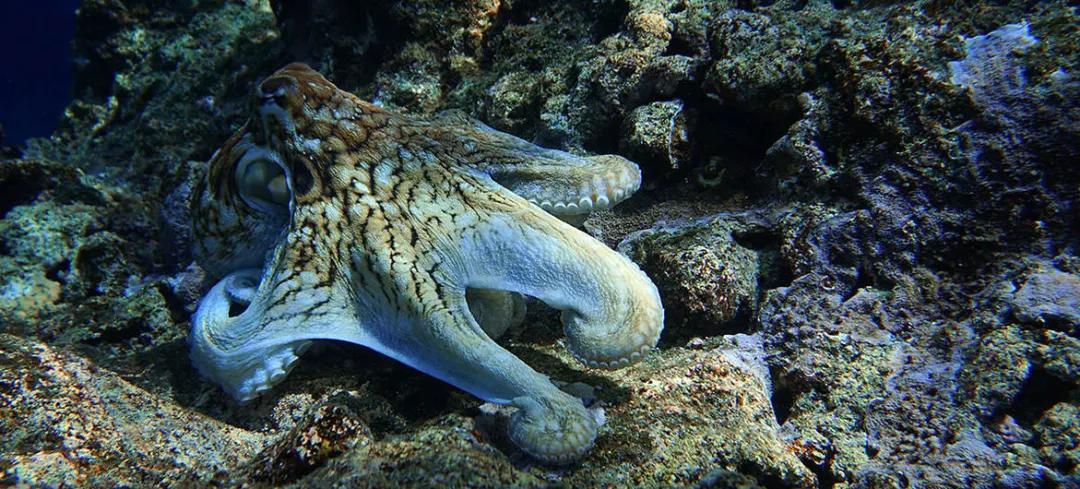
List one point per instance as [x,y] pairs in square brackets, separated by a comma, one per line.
[512,101]
[797,161]
[659,133]
[1058,432]
[704,276]
[461,26]
[757,59]
[411,81]
[328,430]
[68,422]
[1050,298]
[690,412]
[444,452]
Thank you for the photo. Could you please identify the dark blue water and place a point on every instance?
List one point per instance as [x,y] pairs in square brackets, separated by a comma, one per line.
[35,81]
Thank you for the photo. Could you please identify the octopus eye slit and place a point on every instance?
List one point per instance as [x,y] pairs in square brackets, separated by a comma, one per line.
[302,179]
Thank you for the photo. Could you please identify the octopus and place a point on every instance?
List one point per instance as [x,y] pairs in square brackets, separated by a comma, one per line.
[326,217]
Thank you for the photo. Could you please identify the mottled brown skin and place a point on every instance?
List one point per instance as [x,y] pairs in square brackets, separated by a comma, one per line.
[387,222]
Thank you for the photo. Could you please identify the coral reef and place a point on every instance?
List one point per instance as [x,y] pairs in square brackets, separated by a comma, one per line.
[860,216]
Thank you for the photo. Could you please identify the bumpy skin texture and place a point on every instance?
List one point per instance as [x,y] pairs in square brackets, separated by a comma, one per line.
[330,218]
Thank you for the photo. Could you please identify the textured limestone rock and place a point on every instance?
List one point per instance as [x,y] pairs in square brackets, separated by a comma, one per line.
[155,82]
[757,59]
[705,277]
[329,430]
[411,81]
[1051,298]
[69,422]
[693,412]
[658,132]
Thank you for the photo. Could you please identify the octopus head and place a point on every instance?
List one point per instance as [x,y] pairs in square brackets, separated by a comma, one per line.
[310,122]
[268,168]
[263,176]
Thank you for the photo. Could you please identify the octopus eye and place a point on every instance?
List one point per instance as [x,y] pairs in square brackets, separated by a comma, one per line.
[262,181]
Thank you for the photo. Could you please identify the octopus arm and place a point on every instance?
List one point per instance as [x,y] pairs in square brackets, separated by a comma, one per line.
[559,182]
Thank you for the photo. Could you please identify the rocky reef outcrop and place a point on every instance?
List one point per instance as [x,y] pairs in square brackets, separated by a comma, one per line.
[860,215]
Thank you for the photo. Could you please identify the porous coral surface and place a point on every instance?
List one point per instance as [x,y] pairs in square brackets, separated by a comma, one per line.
[860,216]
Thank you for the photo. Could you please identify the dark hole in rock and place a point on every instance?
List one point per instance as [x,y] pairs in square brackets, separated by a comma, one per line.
[606,138]
[783,398]
[19,191]
[682,325]
[609,16]
[752,4]
[742,322]
[739,139]
[757,239]
[10,197]
[58,271]
[1041,391]
[679,45]
[774,270]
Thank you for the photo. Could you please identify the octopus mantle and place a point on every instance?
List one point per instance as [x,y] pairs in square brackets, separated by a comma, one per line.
[330,218]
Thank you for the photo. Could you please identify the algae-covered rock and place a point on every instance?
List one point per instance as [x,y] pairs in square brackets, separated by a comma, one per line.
[411,81]
[706,278]
[1059,432]
[758,59]
[327,431]
[830,362]
[443,453]
[658,132]
[154,82]
[690,413]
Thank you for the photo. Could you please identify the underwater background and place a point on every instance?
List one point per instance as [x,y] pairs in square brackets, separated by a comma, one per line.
[36,85]
[861,217]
